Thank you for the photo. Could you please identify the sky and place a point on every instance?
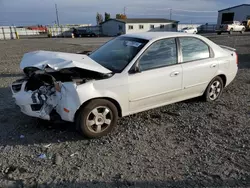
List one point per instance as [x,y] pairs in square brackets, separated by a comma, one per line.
[42,12]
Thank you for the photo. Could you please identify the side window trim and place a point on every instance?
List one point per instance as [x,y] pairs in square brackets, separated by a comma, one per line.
[179,51]
[177,55]
[211,52]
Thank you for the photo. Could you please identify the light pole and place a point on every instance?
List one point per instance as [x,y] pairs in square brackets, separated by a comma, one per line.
[57,17]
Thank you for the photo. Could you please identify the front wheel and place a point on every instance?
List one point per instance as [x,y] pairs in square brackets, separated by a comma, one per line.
[97,118]
[214,89]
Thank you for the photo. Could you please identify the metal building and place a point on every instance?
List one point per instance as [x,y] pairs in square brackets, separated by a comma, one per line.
[114,27]
[236,13]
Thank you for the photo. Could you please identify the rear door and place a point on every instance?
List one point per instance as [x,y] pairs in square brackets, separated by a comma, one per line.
[199,66]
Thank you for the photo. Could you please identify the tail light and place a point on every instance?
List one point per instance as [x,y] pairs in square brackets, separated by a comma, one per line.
[237,58]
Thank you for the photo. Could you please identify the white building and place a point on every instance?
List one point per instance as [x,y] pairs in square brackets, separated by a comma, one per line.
[236,13]
[114,27]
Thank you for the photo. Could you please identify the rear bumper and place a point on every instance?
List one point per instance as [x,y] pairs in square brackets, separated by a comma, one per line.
[231,77]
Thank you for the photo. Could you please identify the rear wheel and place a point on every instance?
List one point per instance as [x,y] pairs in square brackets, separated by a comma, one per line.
[214,89]
[218,33]
[242,31]
[97,118]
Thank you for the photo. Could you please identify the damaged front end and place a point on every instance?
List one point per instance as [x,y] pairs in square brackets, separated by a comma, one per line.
[51,94]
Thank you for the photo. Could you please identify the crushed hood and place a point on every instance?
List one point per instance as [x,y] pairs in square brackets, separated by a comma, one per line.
[59,60]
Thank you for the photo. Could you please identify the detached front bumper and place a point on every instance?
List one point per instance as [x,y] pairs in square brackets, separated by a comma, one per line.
[44,104]
[29,102]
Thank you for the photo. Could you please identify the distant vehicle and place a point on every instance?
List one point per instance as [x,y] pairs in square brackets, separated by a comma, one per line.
[230,27]
[190,30]
[83,33]
[40,28]
[246,23]
[129,74]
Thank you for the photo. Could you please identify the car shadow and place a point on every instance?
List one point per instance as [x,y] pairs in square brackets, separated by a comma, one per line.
[19,129]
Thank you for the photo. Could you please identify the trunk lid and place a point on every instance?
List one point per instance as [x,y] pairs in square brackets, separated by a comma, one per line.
[59,60]
[227,48]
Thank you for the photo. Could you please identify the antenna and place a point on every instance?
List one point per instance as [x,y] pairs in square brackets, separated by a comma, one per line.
[124,10]
[170,14]
[57,17]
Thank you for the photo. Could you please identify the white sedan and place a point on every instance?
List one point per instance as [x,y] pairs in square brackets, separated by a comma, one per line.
[129,74]
[190,30]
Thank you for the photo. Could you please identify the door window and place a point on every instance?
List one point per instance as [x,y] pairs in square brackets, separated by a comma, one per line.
[193,49]
[159,54]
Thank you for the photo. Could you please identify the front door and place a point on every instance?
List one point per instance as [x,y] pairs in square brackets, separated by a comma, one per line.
[159,80]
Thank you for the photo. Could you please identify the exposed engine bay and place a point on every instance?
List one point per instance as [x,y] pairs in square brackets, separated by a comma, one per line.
[48,76]
[40,91]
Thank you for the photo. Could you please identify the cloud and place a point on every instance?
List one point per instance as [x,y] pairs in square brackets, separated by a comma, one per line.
[79,11]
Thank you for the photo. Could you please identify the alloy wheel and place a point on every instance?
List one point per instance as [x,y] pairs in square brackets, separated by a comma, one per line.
[99,119]
[215,90]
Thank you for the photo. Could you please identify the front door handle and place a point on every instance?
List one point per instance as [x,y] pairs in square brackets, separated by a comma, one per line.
[173,74]
[213,66]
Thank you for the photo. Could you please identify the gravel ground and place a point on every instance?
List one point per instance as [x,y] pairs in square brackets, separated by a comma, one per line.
[188,144]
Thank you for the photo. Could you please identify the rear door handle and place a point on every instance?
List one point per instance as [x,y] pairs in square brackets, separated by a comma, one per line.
[173,74]
[213,66]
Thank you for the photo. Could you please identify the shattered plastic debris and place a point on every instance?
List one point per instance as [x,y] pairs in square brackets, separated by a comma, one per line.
[22,136]
[42,156]
[47,146]
[73,154]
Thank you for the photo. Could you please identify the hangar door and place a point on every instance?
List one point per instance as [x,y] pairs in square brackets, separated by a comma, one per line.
[227,17]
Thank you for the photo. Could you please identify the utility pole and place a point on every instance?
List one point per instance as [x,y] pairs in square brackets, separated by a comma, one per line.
[57,17]
[170,14]
[124,11]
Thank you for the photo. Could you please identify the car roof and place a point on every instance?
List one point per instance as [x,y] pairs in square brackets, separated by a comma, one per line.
[157,35]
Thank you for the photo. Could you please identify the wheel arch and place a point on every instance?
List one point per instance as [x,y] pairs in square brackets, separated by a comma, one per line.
[224,79]
[117,105]
[222,76]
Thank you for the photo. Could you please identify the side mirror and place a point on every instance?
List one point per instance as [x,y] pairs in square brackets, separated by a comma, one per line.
[135,69]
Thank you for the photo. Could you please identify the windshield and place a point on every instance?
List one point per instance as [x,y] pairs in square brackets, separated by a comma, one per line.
[228,22]
[116,54]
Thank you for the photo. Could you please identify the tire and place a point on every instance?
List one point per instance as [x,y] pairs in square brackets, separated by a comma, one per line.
[242,31]
[213,88]
[218,33]
[231,32]
[102,116]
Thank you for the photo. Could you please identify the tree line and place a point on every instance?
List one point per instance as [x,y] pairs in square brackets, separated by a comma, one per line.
[107,16]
